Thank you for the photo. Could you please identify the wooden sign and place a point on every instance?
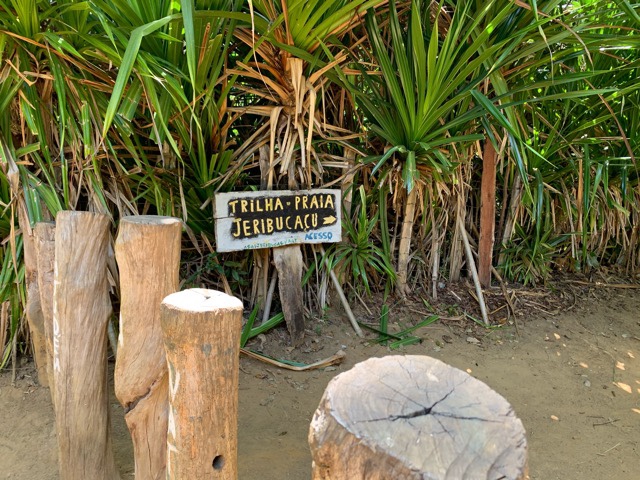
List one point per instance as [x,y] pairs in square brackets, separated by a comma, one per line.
[274,218]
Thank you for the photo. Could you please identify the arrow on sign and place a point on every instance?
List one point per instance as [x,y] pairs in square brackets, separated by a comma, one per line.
[330,220]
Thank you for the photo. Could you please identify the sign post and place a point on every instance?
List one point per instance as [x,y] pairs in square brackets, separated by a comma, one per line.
[279,219]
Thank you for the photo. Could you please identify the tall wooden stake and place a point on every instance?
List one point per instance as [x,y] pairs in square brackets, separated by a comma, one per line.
[81,310]
[487,214]
[201,331]
[288,262]
[412,418]
[44,235]
[148,255]
[33,309]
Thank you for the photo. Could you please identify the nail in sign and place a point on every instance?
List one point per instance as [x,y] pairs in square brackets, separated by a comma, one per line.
[273,218]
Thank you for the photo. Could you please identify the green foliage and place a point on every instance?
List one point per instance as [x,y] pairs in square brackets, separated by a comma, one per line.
[130,107]
[421,100]
[530,259]
[359,258]
[249,331]
[402,338]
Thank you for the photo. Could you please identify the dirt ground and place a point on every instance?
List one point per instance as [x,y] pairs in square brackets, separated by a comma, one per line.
[571,371]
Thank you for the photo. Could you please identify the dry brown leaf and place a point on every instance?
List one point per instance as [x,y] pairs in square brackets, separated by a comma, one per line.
[623,386]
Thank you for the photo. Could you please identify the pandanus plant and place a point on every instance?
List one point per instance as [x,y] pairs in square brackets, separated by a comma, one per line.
[454,73]
[50,146]
[421,102]
[281,91]
[294,56]
[172,93]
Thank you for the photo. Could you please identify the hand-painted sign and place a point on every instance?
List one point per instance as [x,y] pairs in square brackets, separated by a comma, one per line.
[274,218]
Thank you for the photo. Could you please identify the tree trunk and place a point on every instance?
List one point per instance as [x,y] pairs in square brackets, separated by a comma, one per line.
[487,214]
[414,417]
[81,310]
[347,183]
[148,256]
[404,249]
[510,223]
[201,331]
[44,235]
[288,262]
[33,309]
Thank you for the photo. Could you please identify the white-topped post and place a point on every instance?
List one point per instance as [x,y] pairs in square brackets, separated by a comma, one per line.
[201,330]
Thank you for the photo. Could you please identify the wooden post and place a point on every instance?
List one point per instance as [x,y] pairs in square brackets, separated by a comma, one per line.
[288,262]
[414,417]
[201,331]
[148,255]
[81,310]
[44,235]
[33,309]
[487,214]
[280,219]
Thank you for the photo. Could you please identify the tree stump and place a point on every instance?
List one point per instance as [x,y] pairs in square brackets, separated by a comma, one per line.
[201,331]
[414,417]
[44,235]
[148,255]
[81,310]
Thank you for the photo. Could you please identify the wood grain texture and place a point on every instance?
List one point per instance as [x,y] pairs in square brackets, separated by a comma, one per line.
[81,310]
[33,308]
[288,261]
[44,236]
[487,213]
[201,331]
[148,254]
[414,417]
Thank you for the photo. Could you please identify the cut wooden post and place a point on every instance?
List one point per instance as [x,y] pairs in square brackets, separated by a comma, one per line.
[487,214]
[414,417]
[33,309]
[148,255]
[81,310]
[288,262]
[44,235]
[201,331]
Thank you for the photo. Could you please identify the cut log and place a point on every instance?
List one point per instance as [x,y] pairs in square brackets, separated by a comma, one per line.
[414,417]
[81,310]
[201,330]
[288,262]
[33,309]
[44,235]
[148,255]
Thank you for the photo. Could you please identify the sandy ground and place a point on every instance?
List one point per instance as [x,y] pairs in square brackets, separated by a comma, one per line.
[573,378]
